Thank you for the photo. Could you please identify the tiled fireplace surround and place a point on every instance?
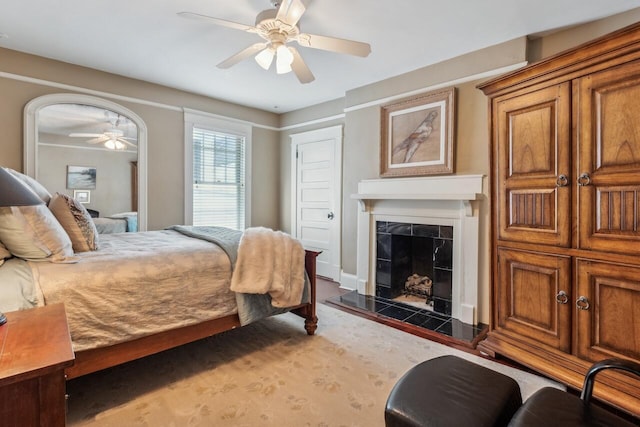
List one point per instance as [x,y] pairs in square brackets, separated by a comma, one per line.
[441,203]
[405,249]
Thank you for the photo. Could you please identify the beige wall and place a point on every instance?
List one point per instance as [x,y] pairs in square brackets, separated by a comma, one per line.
[24,77]
[265,170]
[543,47]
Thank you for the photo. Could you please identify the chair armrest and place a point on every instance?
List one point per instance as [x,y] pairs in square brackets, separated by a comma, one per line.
[589,378]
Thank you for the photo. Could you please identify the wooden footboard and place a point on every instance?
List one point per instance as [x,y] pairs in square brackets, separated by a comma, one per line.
[89,361]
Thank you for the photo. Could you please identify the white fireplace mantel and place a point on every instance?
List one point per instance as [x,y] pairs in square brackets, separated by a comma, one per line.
[464,188]
[440,200]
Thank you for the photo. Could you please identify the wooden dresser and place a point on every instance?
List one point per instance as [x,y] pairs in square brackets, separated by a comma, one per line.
[565,200]
[35,348]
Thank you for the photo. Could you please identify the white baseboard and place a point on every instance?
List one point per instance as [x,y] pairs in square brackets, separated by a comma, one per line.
[348,281]
[467,314]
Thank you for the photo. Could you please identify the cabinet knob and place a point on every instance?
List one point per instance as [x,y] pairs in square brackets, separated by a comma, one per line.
[562,181]
[562,297]
[584,179]
[583,303]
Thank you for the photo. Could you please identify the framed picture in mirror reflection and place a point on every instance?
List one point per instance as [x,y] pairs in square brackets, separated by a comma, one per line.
[81,177]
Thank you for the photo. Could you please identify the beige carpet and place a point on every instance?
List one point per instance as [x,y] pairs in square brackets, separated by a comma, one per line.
[266,374]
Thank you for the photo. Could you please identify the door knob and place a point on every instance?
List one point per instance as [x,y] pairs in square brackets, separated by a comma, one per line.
[562,297]
[583,303]
[562,181]
[330,215]
[584,179]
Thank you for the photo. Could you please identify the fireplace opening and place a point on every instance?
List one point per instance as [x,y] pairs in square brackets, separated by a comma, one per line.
[414,264]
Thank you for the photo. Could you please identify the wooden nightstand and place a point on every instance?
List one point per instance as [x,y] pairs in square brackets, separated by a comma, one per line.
[35,348]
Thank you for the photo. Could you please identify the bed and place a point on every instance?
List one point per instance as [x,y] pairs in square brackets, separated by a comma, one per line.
[129,295]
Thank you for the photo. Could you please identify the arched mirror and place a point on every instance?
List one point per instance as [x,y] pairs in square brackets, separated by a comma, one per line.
[91,149]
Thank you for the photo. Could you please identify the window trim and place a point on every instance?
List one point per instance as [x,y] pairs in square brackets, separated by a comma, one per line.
[221,124]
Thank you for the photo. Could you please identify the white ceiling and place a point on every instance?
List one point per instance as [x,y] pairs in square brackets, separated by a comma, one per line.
[146,39]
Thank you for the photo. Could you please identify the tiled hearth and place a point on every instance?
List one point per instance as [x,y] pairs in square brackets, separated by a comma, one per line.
[421,322]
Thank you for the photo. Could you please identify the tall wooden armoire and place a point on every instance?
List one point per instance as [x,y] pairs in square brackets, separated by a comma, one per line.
[565,184]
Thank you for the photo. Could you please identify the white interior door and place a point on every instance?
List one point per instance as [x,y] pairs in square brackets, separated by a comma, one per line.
[316,195]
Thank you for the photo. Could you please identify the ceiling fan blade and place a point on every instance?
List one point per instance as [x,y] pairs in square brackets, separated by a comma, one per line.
[302,72]
[84,135]
[218,21]
[243,54]
[98,140]
[290,11]
[334,44]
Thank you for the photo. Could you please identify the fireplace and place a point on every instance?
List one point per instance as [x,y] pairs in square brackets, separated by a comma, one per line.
[419,206]
[414,264]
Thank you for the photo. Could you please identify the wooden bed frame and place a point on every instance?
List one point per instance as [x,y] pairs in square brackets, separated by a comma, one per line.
[89,361]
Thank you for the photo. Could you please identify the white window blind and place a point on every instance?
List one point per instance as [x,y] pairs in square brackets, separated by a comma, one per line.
[218,179]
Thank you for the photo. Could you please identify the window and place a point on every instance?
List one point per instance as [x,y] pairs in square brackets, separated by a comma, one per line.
[217,184]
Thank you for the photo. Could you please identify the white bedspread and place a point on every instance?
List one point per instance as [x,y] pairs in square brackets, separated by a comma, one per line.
[137,284]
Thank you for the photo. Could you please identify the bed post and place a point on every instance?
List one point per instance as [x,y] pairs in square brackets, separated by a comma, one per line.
[308,311]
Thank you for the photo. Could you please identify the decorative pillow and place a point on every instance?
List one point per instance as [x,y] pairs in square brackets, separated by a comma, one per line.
[76,221]
[4,253]
[33,233]
[32,184]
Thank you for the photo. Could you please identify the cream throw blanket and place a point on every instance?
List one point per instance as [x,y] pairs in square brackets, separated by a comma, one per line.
[270,262]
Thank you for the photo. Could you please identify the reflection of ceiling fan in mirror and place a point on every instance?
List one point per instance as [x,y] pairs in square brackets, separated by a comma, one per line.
[278,27]
[113,138]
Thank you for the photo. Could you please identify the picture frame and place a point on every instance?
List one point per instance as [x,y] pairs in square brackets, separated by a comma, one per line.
[417,135]
[81,177]
[82,196]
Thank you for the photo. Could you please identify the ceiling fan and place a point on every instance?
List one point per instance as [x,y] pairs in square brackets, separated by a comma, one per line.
[278,27]
[113,139]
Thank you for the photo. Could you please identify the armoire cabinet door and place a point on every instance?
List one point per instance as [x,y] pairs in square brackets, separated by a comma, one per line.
[533,166]
[609,160]
[534,297]
[608,315]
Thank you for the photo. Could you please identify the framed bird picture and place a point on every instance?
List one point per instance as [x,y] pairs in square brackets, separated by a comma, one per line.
[417,135]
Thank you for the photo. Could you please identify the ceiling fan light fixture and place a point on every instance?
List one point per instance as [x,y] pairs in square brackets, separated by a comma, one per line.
[277,27]
[265,58]
[283,60]
[110,144]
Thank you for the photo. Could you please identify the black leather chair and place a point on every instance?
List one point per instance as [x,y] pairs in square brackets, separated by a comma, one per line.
[552,407]
[451,391]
